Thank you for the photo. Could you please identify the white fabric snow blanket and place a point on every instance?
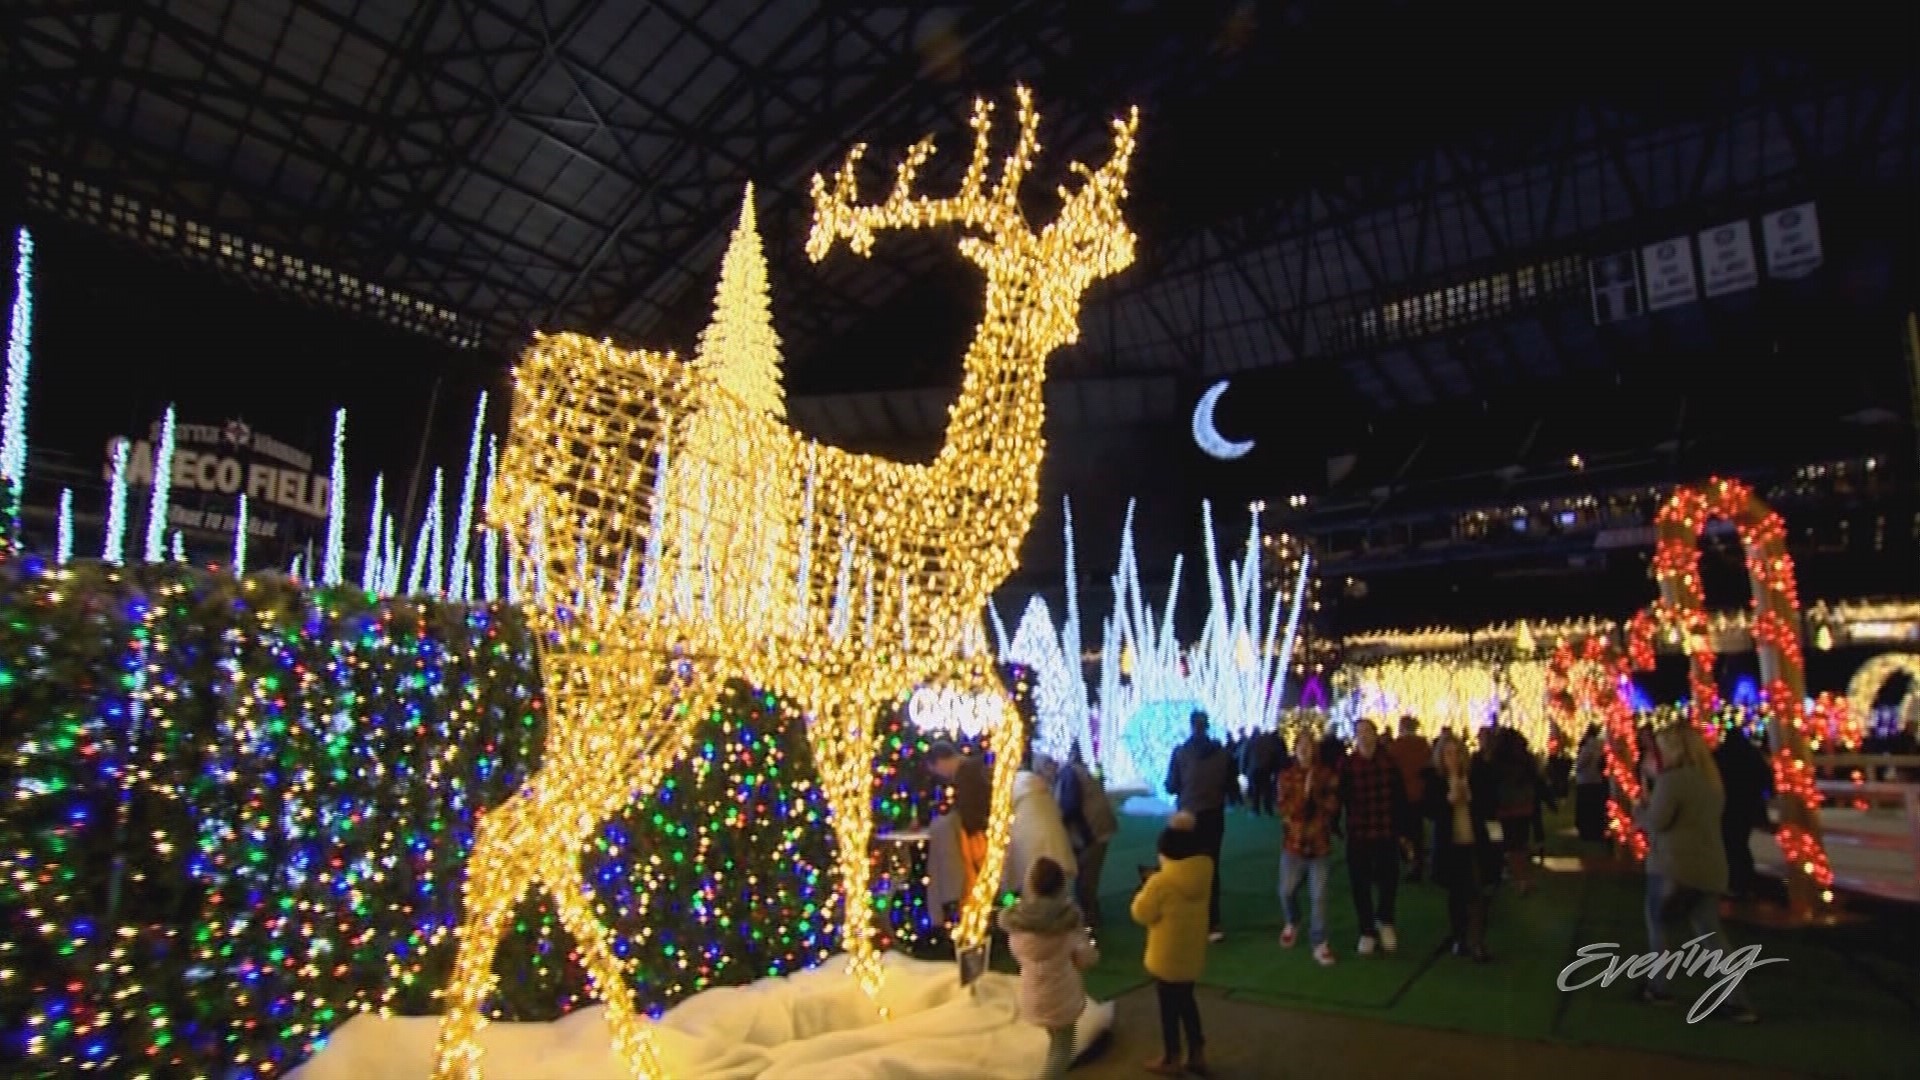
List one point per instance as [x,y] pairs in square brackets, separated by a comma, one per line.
[806,1026]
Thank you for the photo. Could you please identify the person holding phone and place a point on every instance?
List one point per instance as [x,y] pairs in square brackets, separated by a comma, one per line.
[1172,905]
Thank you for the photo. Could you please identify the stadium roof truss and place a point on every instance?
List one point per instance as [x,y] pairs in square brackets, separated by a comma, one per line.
[473,169]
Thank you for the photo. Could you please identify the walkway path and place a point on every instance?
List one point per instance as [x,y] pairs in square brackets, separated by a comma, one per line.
[1251,1041]
[1843,1005]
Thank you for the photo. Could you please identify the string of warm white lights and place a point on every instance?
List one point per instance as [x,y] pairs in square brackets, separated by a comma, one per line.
[1865,686]
[1458,692]
[1830,625]
[585,482]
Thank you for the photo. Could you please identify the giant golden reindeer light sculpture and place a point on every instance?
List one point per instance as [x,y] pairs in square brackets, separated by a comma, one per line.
[852,580]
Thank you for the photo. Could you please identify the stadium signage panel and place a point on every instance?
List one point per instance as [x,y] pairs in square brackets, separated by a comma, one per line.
[224,460]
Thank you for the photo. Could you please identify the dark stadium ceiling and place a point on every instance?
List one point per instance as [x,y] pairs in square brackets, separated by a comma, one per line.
[1403,194]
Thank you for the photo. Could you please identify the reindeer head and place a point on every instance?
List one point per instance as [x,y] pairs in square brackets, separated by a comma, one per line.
[1089,240]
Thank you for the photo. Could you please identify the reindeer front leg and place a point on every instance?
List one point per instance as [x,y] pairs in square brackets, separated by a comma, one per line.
[632,1035]
[843,748]
[1008,741]
[685,703]
[498,875]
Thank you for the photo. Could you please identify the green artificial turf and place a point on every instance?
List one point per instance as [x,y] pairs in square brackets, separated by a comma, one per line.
[1843,1004]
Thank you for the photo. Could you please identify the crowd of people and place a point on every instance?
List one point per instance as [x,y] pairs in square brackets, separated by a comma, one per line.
[1468,818]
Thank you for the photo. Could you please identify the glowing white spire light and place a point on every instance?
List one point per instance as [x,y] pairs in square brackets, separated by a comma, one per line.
[114,548]
[63,550]
[490,568]
[370,568]
[162,490]
[514,569]
[13,420]
[1070,646]
[1285,661]
[1236,671]
[493,473]
[179,547]
[240,537]
[1036,644]
[999,626]
[335,571]
[392,561]
[420,574]
[459,585]
[436,536]
[652,567]
[539,554]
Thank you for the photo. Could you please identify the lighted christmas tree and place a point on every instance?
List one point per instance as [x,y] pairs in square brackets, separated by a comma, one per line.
[720,497]
[739,348]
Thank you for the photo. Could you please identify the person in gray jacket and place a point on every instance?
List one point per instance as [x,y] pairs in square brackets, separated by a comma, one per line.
[1686,861]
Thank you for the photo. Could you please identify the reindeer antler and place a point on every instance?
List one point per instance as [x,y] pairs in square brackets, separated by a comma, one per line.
[997,211]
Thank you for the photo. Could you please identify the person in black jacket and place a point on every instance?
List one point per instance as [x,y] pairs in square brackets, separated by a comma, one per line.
[1464,857]
[1483,777]
[1088,815]
[1264,752]
[1198,776]
[1746,776]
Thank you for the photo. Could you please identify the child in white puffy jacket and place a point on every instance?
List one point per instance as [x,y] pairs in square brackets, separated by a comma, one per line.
[1048,936]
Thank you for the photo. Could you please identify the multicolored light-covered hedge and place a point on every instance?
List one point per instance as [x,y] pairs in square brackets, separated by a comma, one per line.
[286,847]
[237,811]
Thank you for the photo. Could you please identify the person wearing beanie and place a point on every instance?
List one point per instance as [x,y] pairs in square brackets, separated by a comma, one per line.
[1172,905]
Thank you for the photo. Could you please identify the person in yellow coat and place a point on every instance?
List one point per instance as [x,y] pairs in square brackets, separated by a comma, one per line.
[1172,905]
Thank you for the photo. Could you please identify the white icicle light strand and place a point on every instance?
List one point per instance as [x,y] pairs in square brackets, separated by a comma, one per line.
[13,426]
[162,490]
[240,537]
[114,548]
[335,571]
[463,526]
[370,566]
[63,552]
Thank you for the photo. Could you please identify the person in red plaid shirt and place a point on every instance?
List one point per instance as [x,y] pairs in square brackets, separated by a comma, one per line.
[1375,798]
[1309,791]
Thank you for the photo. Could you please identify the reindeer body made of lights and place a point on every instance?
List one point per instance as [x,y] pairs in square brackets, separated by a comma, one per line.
[852,579]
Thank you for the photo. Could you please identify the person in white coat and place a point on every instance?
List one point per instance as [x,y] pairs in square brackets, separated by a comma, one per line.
[1037,831]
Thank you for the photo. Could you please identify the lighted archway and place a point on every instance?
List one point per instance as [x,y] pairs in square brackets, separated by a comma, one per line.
[1776,639]
[1594,677]
[1865,686]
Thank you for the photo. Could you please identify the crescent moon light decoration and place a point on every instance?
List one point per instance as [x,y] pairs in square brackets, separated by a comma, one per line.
[1208,436]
